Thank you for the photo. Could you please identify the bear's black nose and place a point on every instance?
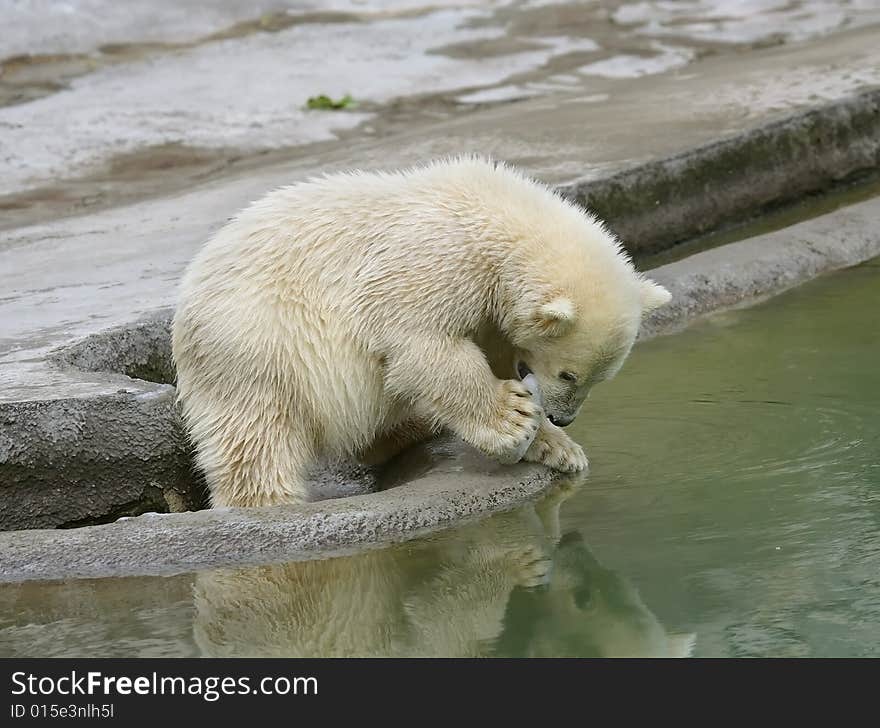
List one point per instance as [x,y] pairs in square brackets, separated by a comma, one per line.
[560,421]
[523,370]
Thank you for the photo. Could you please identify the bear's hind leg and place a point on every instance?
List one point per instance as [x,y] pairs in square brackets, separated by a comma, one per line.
[261,462]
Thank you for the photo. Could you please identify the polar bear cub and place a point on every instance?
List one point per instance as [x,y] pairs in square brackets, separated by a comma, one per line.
[356,313]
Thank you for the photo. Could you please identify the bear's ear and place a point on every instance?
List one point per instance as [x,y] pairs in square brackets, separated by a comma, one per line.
[555,317]
[653,295]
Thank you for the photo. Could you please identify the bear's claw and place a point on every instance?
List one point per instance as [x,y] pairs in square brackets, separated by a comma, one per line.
[517,421]
[553,448]
[532,567]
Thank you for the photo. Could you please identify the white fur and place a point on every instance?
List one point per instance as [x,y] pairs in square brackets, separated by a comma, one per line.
[351,314]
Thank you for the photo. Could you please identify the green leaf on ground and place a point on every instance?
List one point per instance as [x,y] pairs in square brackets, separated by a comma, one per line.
[326,103]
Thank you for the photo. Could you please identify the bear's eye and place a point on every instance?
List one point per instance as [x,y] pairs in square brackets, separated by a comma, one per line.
[568,376]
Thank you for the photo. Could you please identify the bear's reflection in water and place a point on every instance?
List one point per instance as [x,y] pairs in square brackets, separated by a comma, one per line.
[508,586]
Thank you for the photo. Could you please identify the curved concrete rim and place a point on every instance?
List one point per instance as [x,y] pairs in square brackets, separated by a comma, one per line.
[465,486]
[167,544]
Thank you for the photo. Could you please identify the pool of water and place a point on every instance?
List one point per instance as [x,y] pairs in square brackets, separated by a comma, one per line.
[733,509]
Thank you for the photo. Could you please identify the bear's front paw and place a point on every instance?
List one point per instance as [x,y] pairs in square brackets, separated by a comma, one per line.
[531,566]
[553,448]
[514,424]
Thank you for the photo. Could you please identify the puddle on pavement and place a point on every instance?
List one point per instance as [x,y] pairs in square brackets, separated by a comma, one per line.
[733,509]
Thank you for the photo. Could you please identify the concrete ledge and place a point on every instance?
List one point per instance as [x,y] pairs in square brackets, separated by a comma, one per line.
[458,486]
[765,265]
[141,350]
[66,461]
[655,205]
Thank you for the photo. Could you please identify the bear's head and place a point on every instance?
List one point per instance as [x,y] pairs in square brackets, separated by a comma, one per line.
[585,610]
[575,338]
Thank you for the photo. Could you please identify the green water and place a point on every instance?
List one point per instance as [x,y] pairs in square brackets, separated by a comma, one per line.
[733,509]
